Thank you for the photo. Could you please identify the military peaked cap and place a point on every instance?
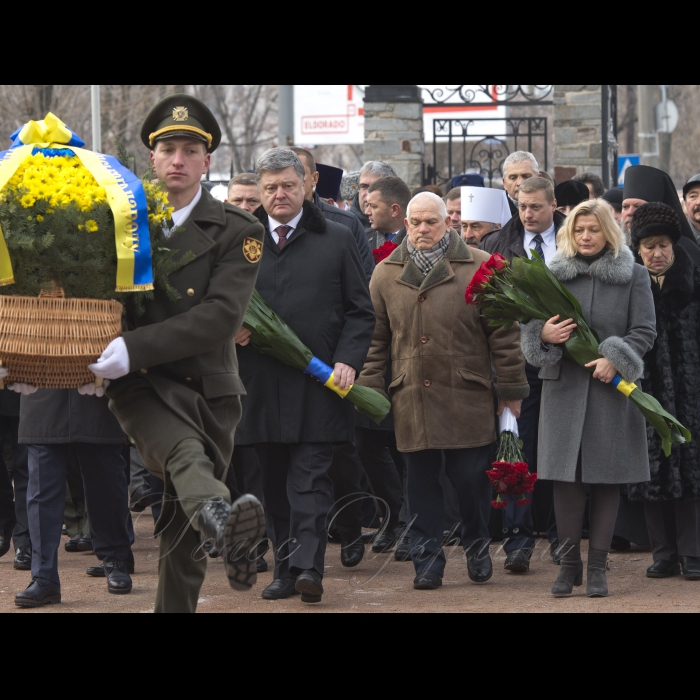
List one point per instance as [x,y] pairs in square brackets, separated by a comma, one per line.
[181,115]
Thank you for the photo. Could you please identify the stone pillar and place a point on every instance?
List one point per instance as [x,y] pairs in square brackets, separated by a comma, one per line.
[577,131]
[394,129]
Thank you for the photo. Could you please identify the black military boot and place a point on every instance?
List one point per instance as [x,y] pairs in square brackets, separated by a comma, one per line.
[235,530]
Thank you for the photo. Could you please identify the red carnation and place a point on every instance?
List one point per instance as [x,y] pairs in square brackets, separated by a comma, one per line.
[502,465]
[384,251]
[520,468]
[522,502]
[498,503]
[530,479]
[511,479]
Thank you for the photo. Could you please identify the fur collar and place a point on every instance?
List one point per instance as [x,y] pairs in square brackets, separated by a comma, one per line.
[608,269]
[312,218]
[457,251]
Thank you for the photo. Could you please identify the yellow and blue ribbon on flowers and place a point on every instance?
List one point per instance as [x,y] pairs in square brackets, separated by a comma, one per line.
[125,195]
[321,371]
[621,385]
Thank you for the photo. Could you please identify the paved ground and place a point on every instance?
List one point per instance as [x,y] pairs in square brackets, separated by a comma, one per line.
[378,584]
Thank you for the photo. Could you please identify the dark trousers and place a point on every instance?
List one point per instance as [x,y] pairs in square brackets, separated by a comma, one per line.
[466,470]
[374,448]
[243,474]
[518,523]
[674,528]
[298,498]
[13,499]
[348,494]
[104,478]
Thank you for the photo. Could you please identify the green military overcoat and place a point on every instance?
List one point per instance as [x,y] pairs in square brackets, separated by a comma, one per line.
[184,380]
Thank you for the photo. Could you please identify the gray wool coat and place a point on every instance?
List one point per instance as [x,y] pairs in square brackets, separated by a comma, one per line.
[583,415]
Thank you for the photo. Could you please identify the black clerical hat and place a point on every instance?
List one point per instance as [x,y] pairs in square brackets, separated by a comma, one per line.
[571,193]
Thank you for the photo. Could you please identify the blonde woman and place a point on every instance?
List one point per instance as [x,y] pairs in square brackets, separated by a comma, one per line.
[590,434]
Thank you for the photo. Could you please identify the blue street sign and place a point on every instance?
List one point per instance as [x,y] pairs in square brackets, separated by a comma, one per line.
[624,162]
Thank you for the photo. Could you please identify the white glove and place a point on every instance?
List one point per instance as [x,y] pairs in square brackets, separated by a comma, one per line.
[507,421]
[3,372]
[24,389]
[92,390]
[113,362]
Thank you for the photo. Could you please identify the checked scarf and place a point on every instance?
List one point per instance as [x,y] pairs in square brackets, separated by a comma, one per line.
[426,260]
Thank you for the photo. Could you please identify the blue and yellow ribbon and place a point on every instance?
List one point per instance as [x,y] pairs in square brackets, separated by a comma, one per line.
[321,371]
[125,195]
[621,385]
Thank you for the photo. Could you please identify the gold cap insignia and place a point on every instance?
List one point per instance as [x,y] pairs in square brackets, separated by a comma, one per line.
[180,114]
[252,250]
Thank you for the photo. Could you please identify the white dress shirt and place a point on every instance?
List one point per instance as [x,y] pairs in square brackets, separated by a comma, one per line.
[181,215]
[292,224]
[549,243]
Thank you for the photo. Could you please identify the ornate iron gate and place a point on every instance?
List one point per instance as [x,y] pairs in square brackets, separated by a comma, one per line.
[466,145]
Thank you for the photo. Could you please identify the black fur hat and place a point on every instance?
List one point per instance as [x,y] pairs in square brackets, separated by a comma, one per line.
[654,219]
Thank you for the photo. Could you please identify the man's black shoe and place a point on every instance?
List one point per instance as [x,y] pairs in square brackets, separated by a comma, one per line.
[518,561]
[403,549]
[620,544]
[5,541]
[141,499]
[64,531]
[663,568]
[479,567]
[690,568]
[40,592]
[384,542]
[233,530]
[280,588]
[99,570]
[211,550]
[23,558]
[427,581]
[309,584]
[260,551]
[352,554]
[79,543]
[118,579]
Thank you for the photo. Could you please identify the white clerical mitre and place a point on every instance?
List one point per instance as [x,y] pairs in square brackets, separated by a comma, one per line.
[485,204]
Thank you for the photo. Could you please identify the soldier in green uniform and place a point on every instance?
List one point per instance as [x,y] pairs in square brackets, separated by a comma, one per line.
[174,377]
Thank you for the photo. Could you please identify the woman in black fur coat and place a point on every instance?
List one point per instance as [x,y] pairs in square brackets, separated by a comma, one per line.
[672,376]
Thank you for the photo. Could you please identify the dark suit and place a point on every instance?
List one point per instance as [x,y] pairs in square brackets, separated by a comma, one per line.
[317,285]
[518,524]
[13,496]
[53,424]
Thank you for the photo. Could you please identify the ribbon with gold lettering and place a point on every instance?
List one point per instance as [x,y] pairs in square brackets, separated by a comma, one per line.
[125,196]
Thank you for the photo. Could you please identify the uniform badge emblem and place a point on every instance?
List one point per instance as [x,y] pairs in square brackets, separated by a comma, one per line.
[252,250]
[180,114]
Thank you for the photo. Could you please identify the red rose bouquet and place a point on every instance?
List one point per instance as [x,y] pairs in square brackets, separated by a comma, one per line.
[523,290]
[509,474]
[384,251]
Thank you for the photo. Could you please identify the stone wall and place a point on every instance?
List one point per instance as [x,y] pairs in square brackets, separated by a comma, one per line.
[394,129]
[577,131]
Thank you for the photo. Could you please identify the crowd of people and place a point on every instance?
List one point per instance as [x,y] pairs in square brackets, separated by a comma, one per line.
[243,457]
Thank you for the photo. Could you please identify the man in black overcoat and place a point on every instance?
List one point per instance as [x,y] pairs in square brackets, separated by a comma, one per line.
[312,276]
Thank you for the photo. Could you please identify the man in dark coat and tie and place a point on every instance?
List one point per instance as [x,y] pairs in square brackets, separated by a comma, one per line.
[312,276]
[534,228]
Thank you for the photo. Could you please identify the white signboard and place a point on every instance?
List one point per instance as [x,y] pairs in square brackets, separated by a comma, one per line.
[327,114]
[334,114]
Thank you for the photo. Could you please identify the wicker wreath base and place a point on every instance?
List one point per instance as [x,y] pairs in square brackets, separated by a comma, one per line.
[48,341]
